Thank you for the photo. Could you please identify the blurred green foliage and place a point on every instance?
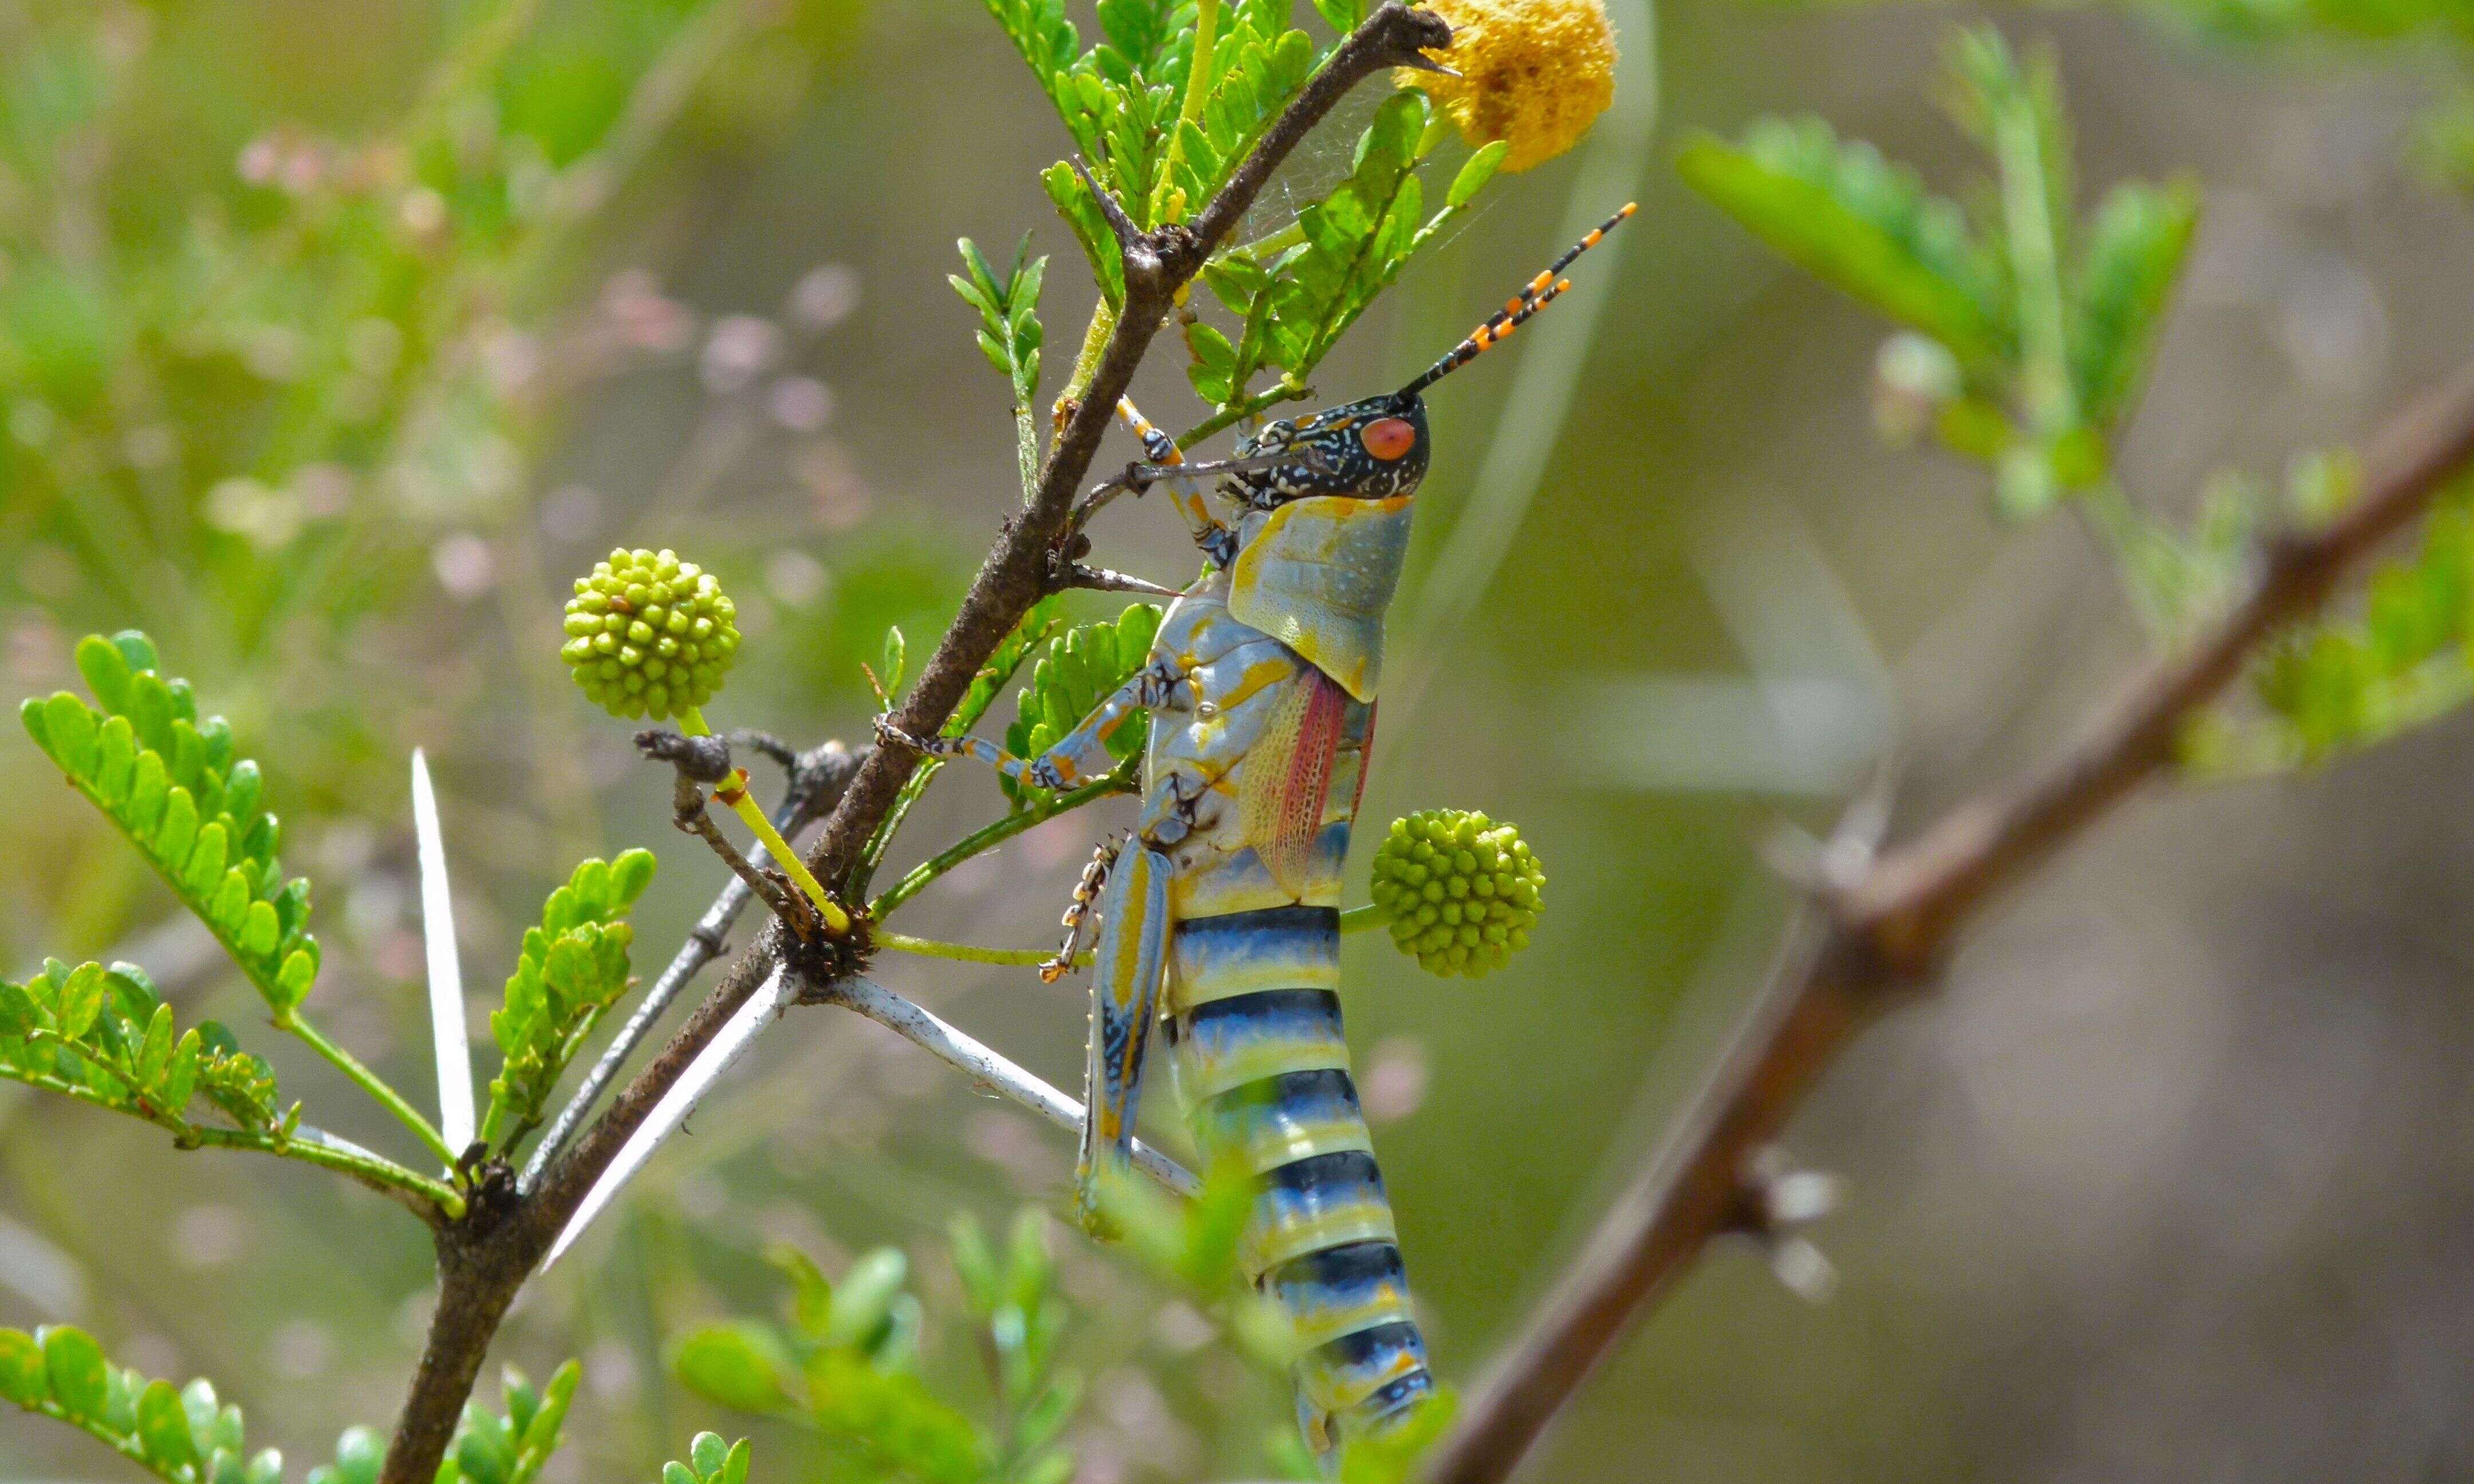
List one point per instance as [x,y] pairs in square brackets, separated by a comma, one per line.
[844,1364]
[189,1435]
[2028,330]
[2034,324]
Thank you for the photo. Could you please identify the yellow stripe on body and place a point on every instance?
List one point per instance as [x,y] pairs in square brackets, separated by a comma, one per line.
[1364,1383]
[1266,1053]
[1200,970]
[1317,1323]
[1268,1147]
[1270,1241]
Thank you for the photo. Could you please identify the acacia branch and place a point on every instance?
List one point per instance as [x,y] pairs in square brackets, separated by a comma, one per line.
[1886,931]
[485,1257]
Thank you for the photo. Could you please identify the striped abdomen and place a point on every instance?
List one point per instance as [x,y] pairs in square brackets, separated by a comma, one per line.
[1264,1070]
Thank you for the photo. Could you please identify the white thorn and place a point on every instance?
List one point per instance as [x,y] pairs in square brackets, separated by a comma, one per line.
[1800,1266]
[447,1031]
[762,1008]
[1802,1197]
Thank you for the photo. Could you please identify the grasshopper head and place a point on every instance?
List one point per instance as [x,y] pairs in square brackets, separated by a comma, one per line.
[1371,450]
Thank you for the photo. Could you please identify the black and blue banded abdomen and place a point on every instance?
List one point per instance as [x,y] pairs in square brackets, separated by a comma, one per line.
[1263,1069]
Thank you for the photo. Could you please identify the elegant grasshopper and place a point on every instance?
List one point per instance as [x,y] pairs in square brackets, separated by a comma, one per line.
[1219,918]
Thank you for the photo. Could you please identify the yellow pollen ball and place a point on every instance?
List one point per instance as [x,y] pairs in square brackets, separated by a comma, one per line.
[1535,72]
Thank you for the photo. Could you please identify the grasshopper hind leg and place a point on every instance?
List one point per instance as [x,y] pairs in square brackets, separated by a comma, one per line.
[1129,963]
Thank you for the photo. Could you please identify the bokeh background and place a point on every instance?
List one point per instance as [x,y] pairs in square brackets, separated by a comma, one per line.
[2170,1182]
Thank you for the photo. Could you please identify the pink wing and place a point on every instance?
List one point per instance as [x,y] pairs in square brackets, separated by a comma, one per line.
[1288,778]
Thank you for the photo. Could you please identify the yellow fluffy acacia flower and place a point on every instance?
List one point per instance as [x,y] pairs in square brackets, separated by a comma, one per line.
[1535,72]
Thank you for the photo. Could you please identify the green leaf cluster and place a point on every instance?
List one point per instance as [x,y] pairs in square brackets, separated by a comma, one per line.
[1082,667]
[1008,306]
[2029,327]
[843,1367]
[573,966]
[710,1461]
[169,780]
[2401,656]
[105,1036]
[510,1447]
[183,1435]
[1012,1301]
[1295,295]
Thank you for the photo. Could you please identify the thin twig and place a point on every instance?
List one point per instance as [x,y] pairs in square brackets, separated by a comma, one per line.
[1100,579]
[986,1068]
[1887,930]
[988,837]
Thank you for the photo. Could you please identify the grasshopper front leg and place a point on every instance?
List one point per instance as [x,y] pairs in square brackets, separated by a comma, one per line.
[1078,756]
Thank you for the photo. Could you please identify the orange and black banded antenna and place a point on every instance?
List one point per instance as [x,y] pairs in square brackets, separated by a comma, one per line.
[1534,296]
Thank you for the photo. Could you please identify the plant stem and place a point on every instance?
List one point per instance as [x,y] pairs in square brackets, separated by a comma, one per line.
[369,1168]
[989,837]
[370,1083]
[1198,87]
[734,794]
[1282,391]
[377,1172]
[964,952]
[1096,338]
[1025,448]
[1358,920]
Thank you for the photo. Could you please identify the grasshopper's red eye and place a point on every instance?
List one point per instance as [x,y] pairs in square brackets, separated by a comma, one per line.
[1389,438]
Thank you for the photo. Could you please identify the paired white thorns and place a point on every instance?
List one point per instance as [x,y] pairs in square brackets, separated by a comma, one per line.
[905,1020]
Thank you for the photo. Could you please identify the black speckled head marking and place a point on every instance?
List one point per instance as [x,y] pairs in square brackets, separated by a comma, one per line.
[1368,450]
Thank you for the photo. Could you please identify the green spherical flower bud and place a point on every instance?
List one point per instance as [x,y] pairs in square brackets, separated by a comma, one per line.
[1462,892]
[649,636]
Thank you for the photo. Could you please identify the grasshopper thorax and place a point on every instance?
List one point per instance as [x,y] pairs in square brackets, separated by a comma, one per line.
[1371,450]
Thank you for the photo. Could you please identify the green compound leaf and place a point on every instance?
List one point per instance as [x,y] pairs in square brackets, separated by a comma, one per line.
[2403,654]
[1009,329]
[107,1037]
[1296,292]
[1861,224]
[182,1436]
[168,779]
[510,1447]
[573,966]
[2135,247]
[1081,668]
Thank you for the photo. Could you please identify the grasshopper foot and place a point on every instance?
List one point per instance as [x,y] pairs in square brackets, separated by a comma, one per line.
[891,736]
